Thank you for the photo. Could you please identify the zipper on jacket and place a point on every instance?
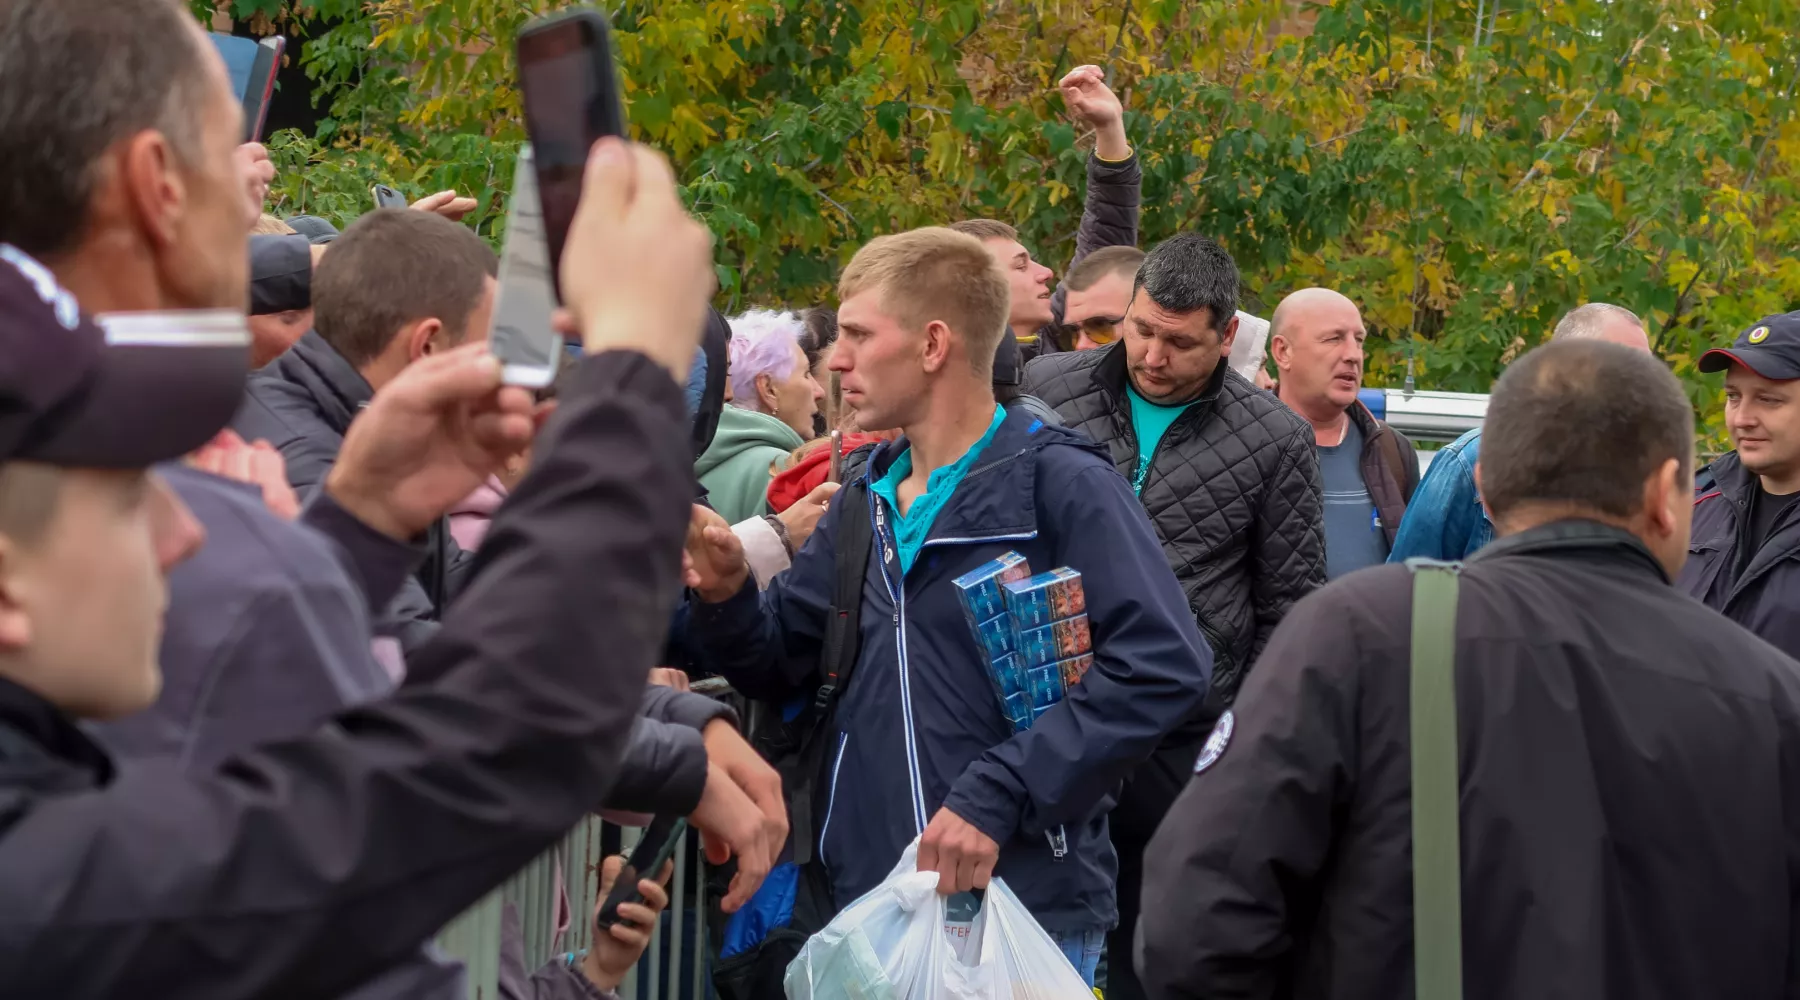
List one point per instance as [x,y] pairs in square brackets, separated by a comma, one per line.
[1059,842]
[831,796]
[898,596]
[1143,474]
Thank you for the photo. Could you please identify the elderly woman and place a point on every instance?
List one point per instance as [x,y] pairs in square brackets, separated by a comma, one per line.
[774,398]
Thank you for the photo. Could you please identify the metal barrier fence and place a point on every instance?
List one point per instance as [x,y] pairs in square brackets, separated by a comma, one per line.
[674,966]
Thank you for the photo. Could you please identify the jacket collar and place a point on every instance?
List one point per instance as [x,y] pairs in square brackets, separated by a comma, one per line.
[1576,538]
[334,385]
[36,732]
[1730,478]
[1366,423]
[997,498]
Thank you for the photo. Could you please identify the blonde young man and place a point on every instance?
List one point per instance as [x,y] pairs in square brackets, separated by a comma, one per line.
[918,744]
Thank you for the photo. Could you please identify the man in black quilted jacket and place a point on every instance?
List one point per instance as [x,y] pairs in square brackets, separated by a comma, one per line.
[1230,479]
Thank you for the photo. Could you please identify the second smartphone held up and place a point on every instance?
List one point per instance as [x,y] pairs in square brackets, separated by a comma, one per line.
[572,100]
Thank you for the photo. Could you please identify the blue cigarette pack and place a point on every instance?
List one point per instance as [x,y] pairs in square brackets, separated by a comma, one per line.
[1045,685]
[1059,640]
[1074,668]
[997,636]
[1039,600]
[1009,676]
[979,589]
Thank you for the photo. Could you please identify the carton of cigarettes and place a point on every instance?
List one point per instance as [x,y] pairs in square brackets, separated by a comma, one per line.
[1042,599]
[980,588]
[1056,641]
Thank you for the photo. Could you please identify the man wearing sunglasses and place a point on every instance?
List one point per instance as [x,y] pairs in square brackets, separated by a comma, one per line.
[1099,292]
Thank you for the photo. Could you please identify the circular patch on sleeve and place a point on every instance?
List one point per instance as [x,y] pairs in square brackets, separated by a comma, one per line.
[1216,743]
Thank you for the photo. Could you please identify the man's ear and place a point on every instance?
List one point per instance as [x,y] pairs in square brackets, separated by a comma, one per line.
[1475,474]
[149,188]
[15,623]
[936,347]
[1228,335]
[422,338]
[1663,492]
[1281,351]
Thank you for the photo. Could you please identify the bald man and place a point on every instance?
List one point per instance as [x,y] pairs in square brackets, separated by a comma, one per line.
[1448,521]
[1369,469]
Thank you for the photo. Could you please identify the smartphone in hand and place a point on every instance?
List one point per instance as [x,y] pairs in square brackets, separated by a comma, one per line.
[572,99]
[836,473]
[387,197]
[653,851]
[520,333]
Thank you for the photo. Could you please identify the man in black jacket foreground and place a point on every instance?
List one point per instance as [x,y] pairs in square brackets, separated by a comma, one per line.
[1629,813]
[307,866]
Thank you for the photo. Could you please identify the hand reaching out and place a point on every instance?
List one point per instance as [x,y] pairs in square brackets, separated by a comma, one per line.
[448,204]
[428,438]
[617,950]
[258,464]
[713,565]
[257,172]
[1093,103]
[802,517]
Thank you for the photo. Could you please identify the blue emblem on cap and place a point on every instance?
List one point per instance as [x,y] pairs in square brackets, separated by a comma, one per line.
[1216,743]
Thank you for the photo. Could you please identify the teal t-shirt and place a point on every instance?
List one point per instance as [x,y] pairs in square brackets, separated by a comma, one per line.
[911,527]
[1149,422]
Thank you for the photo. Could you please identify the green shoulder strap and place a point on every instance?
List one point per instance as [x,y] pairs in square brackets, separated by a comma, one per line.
[1437,855]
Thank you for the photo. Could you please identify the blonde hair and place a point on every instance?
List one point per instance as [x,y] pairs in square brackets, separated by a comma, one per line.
[268,225]
[936,273]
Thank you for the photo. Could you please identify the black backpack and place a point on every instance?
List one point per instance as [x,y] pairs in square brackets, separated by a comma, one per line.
[797,750]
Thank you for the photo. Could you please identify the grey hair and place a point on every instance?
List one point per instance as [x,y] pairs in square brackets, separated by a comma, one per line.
[1188,272]
[1586,321]
[77,76]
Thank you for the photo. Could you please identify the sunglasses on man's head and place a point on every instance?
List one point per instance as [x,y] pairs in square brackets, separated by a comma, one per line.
[1099,329]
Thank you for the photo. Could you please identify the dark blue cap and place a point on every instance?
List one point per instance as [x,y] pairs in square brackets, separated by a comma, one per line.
[1771,349]
[147,388]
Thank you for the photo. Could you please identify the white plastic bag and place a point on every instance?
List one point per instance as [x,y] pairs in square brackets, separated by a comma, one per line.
[892,944]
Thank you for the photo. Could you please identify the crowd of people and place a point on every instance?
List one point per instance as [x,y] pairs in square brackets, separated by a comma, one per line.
[312,632]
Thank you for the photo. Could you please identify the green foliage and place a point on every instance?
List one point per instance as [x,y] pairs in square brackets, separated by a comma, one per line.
[1466,172]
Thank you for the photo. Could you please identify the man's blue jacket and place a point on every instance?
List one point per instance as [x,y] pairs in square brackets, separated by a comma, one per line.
[920,725]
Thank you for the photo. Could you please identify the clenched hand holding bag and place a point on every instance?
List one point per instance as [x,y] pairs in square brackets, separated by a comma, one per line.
[891,944]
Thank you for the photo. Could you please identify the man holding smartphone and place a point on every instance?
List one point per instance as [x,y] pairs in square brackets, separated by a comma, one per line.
[353,845]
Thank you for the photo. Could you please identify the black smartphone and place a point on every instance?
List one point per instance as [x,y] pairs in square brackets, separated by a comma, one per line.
[646,861]
[387,197]
[572,99]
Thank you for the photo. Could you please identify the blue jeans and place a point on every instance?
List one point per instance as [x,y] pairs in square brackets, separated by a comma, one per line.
[1082,949]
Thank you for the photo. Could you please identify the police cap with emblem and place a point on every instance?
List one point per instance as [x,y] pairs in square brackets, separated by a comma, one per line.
[1771,349]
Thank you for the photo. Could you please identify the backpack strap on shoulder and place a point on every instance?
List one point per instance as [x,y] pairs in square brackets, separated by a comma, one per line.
[837,655]
[1436,816]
